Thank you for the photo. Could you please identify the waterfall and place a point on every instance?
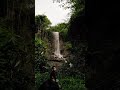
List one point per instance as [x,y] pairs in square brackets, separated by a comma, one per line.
[55,58]
[56,45]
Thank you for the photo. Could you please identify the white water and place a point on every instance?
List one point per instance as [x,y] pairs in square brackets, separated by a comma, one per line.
[56,45]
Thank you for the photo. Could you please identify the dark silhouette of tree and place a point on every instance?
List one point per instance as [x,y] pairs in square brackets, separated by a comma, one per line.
[17,47]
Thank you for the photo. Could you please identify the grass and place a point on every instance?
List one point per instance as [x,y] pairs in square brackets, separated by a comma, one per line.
[40,78]
[67,82]
[71,83]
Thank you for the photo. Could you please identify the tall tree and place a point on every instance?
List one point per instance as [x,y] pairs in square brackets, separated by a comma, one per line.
[42,23]
[17,47]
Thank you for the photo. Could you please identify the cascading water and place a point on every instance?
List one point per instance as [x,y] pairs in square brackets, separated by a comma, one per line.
[56,45]
[56,59]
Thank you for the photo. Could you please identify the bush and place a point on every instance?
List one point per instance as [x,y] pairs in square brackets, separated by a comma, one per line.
[72,83]
[40,78]
[66,82]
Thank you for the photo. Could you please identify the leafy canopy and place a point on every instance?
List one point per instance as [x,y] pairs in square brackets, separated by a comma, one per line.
[42,21]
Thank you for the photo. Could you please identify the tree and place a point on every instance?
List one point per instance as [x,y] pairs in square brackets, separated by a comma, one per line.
[17,47]
[77,33]
[41,40]
[42,24]
[62,28]
[76,25]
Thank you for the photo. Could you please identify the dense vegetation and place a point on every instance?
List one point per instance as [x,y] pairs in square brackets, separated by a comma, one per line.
[17,31]
[99,25]
[66,82]
[77,48]
[17,45]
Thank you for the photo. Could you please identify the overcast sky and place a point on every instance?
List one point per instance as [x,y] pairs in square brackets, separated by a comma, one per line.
[52,10]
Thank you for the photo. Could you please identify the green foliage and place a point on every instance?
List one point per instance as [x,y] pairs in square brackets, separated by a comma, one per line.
[13,72]
[77,47]
[38,41]
[59,27]
[72,83]
[40,78]
[62,28]
[76,6]
[77,59]
[16,46]
[41,40]
[42,21]
[68,46]
[75,76]
[66,82]
[40,49]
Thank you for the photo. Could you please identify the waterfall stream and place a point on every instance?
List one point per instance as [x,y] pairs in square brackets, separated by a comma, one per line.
[56,58]
[57,53]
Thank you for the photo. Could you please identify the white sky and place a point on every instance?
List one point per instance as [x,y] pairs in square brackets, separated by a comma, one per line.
[52,10]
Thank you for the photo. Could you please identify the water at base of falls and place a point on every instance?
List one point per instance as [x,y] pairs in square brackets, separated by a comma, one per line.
[58,56]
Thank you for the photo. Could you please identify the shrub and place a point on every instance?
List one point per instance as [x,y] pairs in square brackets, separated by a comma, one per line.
[66,82]
[40,78]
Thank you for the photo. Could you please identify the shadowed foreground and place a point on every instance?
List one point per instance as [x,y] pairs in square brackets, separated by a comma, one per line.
[49,85]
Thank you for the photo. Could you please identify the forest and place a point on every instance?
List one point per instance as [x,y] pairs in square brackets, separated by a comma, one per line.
[89,41]
[17,31]
[72,47]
